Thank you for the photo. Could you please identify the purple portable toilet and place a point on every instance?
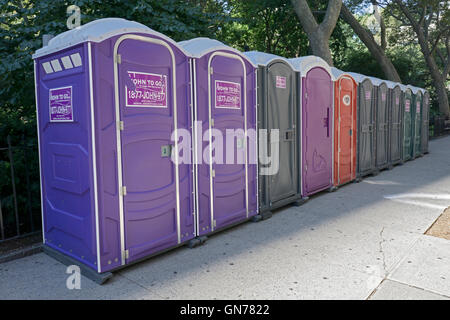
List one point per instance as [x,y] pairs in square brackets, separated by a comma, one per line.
[224,90]
[317,101]
[110,94]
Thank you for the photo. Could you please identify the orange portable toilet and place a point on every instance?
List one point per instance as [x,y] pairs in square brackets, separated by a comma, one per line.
[345,93]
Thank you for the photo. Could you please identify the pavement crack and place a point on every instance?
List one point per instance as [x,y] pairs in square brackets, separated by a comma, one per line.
[382,253]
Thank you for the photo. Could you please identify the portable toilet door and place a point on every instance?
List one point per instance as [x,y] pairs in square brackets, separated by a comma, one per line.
[382,119]
[417,121]
[225,110]
[366,126]
[110,94]
[395,123]
[425,122]
[317,123]
[345,131]
[278,179]
[407,123]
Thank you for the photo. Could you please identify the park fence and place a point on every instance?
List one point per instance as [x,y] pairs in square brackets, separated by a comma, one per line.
[438,126]
[19,189]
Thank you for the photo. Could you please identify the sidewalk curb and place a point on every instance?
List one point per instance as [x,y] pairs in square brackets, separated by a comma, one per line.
[36,248]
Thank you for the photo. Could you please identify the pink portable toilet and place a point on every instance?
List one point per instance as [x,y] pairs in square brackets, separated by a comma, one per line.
[110,95]
[224,96]
[316,96]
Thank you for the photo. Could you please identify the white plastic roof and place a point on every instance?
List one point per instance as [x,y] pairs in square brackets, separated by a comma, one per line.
[96,31]
[414,89]
[404,87]
[198,47]
[304,64]
[263,59]
[423,90]
[377,81]
[336,72]
[359,77]
[392,84]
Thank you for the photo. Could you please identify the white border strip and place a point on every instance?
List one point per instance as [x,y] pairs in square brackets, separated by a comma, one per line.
[36,96]
[194,76]
[193,146]
[94,158]
[257,140]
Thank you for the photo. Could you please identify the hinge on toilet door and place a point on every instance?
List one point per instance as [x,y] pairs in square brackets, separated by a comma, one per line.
[212,122]
[214,223]
[123,190]
[126,254]
[118,58]
[213,173]
[121,125]
[211,70]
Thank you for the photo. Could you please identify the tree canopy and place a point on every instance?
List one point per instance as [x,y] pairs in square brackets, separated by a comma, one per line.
[266,25]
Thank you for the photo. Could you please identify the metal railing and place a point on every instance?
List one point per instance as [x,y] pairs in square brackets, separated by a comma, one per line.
[19,190]
[438,126]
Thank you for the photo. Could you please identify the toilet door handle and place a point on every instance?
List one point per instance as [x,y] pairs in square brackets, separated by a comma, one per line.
[326,122]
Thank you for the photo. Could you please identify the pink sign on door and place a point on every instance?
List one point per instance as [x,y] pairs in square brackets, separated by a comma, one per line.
[150,90]
[227,94]
[407,105]
[280,82]
[368,95]
[383,96]
[60,104]
[418,107]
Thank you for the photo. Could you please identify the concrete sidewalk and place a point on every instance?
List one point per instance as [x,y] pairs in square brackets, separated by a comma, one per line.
[365,241]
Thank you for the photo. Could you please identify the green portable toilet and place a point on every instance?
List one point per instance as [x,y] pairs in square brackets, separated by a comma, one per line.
[425,121]
[407,123]
[381,123]
[395,123]
[416,111]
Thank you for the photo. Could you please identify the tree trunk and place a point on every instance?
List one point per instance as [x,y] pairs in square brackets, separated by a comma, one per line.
[377,52]
[318,34]
[320,47]
[438,78]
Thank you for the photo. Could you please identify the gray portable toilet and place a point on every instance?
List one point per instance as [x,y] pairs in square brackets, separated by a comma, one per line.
[407,123]
[395,123]
[381,119]
[278,109]
[366,126]
[416,121]
[425,121]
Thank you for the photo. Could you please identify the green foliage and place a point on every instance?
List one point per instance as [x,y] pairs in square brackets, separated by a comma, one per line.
[265,25]
[22,24]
